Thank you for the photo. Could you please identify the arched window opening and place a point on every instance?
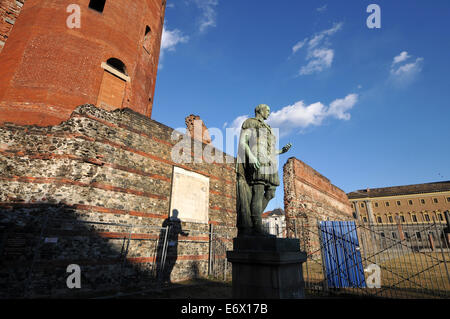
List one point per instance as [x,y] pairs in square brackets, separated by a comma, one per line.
[147,38]
[97,5]
[117,65]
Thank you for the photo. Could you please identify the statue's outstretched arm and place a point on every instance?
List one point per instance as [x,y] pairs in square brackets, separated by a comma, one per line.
[285,148]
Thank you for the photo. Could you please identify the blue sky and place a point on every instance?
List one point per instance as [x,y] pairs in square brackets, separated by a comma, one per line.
[364,107]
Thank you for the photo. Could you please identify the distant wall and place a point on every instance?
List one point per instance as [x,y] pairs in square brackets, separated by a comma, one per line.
[101,167]
[310,197]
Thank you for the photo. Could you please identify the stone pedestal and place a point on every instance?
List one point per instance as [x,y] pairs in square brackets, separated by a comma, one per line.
[268,268]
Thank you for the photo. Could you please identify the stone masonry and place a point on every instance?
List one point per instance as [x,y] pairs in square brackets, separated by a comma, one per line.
[62,187]
[310,197]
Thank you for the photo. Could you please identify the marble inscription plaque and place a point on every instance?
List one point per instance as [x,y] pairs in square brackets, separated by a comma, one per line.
[190,196]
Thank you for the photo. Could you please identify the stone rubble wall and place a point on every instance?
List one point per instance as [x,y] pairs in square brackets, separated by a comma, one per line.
[74,180]
[309,198]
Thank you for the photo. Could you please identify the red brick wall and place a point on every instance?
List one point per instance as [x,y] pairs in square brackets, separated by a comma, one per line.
[49,69]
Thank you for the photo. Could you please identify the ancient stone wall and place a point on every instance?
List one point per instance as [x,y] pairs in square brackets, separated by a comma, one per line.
[95,191]
[309,198]
[192,121]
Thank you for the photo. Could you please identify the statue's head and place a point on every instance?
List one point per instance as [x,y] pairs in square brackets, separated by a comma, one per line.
[263,110]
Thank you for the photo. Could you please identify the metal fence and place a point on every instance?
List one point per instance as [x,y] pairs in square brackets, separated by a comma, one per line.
[358,259]
[115,258]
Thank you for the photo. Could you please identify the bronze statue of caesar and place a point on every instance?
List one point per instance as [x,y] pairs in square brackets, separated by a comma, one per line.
[257,172]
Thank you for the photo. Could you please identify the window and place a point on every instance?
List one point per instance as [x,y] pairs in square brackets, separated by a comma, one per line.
[365,219]
[402,218]
[422,201]
[379,220]
[117,65]
[418,236]
[382,235]
[362,204]
[147,38]
[387,204]
[427,217]
[406,235]
[97,5]
[394,235]
[391,220]
[376,204]
[448,199]
[398,203]
[410,202]
[414,218]
[435,200]
[441,218]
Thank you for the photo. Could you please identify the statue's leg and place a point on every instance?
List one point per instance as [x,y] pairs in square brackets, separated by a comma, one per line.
[244,195]
[268,196]
[257,207]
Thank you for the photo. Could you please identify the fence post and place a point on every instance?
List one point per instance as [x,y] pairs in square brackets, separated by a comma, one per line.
[211,230]
[295,228]
[163,255]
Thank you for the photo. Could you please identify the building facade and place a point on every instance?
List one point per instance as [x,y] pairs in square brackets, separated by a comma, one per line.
[274,222]
[420,203]
[417,215]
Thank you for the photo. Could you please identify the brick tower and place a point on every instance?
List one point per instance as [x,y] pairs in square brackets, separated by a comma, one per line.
[50,65]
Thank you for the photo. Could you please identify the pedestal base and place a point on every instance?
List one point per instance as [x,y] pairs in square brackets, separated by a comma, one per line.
[267,268]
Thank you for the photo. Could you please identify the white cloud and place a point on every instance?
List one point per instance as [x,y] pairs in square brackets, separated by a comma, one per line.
[298,45]
[209,14]
[406,73]
[319,54]
[339,107]
[322,8]
[169,40]
[401,57]
[319,59]
[299,116]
